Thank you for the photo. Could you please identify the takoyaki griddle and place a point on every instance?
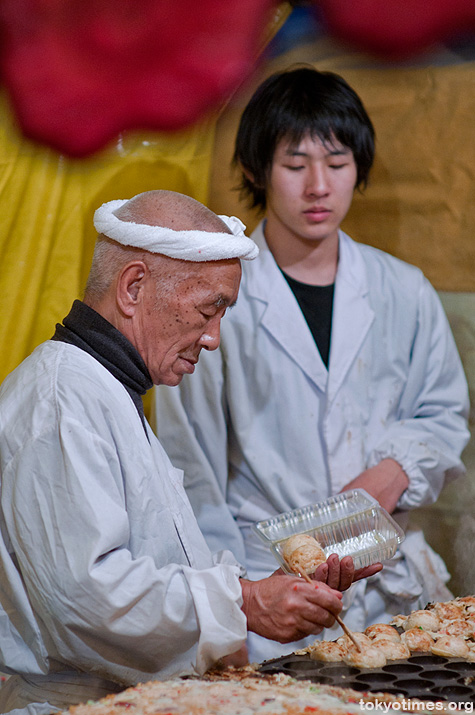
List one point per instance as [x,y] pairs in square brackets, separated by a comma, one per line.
[422,676]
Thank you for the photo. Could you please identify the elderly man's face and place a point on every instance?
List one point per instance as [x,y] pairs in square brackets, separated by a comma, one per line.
[178,321]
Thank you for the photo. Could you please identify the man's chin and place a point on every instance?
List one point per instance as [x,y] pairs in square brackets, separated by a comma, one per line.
[174,376]
[171,381]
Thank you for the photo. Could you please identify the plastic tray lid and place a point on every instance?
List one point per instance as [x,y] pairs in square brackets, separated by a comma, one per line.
[349,524]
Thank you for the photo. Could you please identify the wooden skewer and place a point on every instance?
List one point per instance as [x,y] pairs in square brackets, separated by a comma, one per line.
[350,635]
[344,627]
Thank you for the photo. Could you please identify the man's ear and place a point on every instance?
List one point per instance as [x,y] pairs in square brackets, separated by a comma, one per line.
[249,175]
[130,286]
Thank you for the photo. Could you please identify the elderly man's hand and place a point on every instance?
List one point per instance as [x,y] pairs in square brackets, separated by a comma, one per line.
[287,608]
[341,574]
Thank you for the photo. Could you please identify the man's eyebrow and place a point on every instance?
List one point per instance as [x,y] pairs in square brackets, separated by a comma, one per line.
[295,152]
[337,152]
[332,152]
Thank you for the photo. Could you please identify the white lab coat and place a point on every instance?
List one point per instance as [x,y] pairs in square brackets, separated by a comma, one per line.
[103,569]
[264,425]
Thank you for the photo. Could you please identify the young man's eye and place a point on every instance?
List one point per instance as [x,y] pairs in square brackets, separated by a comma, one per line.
[294,168]
[338,166]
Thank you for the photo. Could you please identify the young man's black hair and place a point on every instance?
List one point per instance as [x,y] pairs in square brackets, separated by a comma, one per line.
[290,105]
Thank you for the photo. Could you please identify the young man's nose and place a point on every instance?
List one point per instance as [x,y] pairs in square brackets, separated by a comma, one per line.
[317,184]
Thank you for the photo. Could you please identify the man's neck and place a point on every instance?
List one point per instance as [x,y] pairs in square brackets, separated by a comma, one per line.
[308,261]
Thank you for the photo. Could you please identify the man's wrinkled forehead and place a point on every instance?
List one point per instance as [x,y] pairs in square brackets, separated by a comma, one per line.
[219,280]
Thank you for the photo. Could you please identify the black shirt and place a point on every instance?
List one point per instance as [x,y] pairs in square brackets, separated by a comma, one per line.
[316,304]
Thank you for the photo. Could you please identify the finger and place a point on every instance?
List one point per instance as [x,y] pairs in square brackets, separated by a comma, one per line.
[347,573]
[334,571]
[367,571]
[305,628]
[324,613]
[321,573]
[311,618]
[309,628]
[307,609]
[321,595]
[295,615]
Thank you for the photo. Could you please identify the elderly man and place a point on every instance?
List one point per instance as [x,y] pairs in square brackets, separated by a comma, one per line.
[106,579]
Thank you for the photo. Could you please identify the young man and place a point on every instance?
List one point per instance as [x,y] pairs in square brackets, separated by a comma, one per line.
[337,368]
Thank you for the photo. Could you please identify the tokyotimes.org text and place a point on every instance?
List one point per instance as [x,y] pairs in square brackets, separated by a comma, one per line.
[415,706]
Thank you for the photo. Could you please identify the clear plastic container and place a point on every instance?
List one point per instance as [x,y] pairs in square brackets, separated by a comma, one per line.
[349,524]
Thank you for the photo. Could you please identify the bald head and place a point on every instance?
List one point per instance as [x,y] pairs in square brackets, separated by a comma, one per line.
[171,210]
[168,209]
[157,225]
[174,225]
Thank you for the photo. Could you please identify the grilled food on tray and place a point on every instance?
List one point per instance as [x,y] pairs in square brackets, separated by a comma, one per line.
[446,629]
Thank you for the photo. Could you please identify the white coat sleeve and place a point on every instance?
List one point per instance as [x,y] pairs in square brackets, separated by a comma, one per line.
[191,423]
[100,608]
[431,431]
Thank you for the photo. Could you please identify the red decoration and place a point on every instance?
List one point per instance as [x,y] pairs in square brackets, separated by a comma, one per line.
[81,71]
[397,28]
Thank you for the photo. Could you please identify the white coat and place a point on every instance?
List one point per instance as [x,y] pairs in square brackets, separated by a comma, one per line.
[270,428]
[103,569]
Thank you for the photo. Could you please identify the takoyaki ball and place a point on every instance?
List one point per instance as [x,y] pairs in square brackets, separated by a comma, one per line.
[448,611]
[458,628]
[383,630]
[450,647]
[417,640]
[328,651]
[361,638]
[427,620]
[367,657]
[391,649]
[303,554]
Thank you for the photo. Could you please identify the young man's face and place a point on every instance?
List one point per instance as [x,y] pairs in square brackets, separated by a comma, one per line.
[310,189]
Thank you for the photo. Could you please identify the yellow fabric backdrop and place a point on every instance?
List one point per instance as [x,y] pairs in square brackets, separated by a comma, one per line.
[46,207]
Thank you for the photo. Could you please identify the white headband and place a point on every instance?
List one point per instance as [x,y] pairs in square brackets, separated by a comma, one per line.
[185,245]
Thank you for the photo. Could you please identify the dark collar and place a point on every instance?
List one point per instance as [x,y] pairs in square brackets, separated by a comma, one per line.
[88,330]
